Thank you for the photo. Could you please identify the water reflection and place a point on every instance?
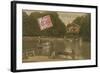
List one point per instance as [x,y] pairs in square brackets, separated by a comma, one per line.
[47,49]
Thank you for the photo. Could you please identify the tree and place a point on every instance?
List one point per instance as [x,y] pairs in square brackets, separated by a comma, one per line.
[31,26]
[25,22]
[84,23]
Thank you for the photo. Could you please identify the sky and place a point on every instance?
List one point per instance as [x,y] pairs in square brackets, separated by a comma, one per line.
[66,17]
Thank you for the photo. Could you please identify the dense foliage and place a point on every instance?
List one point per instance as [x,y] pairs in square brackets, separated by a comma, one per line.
[31,26]
[85,26]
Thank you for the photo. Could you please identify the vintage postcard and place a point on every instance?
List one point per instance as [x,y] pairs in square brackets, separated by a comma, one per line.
[55,36]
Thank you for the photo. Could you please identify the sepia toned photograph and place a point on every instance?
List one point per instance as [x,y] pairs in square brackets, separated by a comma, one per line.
[48,36]
[55,36]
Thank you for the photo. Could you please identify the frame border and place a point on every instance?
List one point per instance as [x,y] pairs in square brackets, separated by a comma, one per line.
[13,35]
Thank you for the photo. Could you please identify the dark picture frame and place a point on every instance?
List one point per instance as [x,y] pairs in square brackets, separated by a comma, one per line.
[14,36]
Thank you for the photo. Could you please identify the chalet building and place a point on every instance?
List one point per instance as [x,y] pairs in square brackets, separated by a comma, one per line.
[73,28]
